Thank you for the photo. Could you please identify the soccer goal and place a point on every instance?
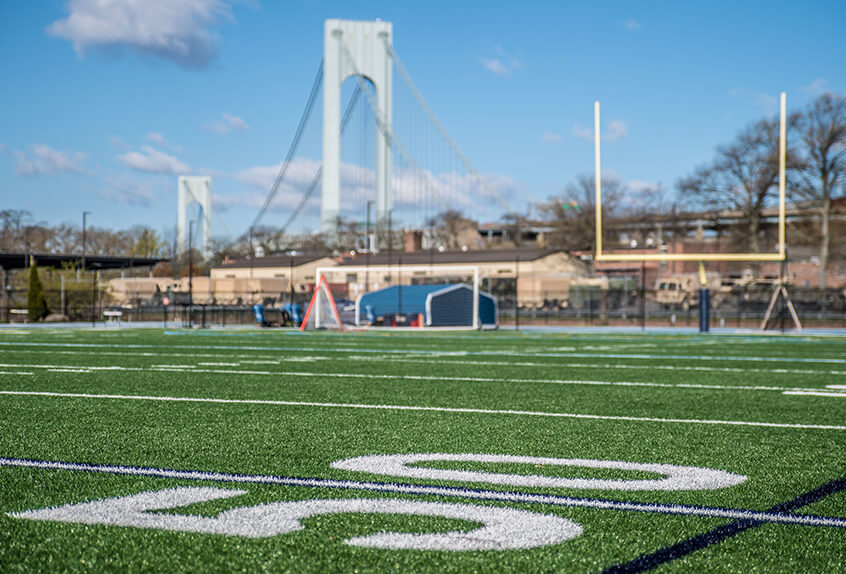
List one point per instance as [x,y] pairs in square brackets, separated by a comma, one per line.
[322,310]
[446,297]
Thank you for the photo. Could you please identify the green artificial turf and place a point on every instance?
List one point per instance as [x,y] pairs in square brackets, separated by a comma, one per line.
[694,393]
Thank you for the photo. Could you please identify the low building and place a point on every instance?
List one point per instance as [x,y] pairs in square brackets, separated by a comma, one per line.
[137,291]
[541,277]
[296,270]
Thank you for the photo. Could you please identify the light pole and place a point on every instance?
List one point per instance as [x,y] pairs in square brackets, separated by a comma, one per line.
[85,214]
[250,254]
[368,242]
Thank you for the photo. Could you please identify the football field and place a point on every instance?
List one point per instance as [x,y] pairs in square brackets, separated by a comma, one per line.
[275,450]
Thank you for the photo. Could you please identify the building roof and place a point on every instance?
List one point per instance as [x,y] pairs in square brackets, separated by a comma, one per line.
[446,257]
[21,260]
[270,261]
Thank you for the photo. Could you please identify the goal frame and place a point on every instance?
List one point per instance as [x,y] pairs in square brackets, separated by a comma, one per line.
[780,255]
[321,271]
[321,284]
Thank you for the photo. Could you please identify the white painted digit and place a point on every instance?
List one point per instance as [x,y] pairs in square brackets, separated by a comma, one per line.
[134,510]
[673,477]
[503,528]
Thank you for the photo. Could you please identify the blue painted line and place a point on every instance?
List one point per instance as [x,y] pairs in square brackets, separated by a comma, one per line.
[717,535]
[440,491]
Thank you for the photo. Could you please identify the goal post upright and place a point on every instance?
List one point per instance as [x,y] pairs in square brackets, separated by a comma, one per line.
[782,153]
[597,179]
[779,255]
[476,298]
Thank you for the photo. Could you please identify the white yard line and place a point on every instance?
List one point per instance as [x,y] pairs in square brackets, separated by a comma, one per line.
[252,360]
[606,366]
[456,492]
[422,408]
[816,394]
[424,352]
[441,378]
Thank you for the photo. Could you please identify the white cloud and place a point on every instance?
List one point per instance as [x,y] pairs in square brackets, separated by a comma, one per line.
[47,161]
[495,66]
[175,30]
[632,25]
[767,102]
[550,137]
[641,185]
[157,139]
[154,161]
[502,64]
[227,124]
[300,173]
[161,141]
[119,144]
[582,132]
[818,87]
[460,191]
[617,130]
[127,190]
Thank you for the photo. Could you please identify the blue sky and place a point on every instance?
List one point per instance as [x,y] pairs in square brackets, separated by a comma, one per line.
[105,102]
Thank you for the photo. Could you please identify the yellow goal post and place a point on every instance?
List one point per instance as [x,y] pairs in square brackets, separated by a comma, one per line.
[780,255]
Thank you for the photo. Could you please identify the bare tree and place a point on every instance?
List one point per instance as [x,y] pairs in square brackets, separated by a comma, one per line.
[12,225]
[515,225]
[573,213]
[823,128]
[452,230]
[742,177]
[146,242]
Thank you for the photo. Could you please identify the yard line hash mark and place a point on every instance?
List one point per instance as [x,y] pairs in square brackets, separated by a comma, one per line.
[423,409]
[771,516]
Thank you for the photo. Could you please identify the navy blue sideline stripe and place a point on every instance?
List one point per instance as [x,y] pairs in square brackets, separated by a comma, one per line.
[437,491]
[717,535]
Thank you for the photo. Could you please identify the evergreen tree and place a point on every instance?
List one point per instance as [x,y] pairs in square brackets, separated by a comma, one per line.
[36,304]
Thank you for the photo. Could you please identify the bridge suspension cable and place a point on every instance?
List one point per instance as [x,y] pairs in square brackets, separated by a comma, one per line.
[315,88]
[439,126]
[392,140]
[316,179]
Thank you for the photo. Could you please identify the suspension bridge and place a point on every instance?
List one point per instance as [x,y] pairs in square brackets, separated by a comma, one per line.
[380,161]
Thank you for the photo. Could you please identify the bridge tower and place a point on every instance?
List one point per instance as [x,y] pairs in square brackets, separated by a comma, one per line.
[355,48]
[194,189]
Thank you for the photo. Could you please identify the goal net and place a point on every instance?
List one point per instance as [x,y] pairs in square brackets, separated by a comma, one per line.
[410,296]
[322,311]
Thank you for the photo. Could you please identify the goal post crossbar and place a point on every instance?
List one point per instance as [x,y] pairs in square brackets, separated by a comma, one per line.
[320,273]
[779,255]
